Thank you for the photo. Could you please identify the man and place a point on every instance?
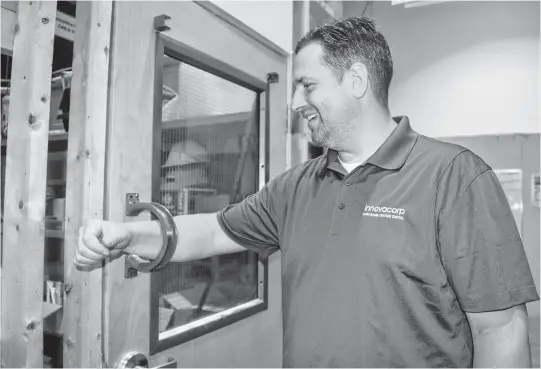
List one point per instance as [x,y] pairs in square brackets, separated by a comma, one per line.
[397,249]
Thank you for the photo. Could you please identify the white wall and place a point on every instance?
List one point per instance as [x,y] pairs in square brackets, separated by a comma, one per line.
[272,19]
[464,68]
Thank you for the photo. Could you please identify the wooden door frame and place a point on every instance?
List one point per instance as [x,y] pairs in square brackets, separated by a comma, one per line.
[85,185]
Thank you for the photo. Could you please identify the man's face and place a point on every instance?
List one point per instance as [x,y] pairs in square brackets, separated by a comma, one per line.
[319,97]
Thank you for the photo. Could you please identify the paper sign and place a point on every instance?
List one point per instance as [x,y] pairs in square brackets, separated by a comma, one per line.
[511,181]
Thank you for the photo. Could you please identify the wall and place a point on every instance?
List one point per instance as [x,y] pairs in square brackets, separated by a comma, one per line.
[515,152]
[272,19]
[463,68]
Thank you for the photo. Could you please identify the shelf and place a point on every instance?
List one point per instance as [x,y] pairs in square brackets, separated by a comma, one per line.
[52,137]
[52,319]
[50,309]
[54,233]
[56,182]
[211,120]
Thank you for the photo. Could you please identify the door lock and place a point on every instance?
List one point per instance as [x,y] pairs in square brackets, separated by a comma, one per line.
[138,360]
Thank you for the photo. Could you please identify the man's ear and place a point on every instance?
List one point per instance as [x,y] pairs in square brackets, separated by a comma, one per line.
[359,79]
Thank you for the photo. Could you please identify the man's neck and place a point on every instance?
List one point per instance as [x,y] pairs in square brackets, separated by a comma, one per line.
[372,132]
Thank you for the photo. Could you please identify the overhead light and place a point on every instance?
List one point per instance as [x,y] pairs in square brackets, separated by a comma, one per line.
[418,3]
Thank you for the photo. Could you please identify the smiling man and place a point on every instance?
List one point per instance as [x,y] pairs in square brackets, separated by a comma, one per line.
[397,250]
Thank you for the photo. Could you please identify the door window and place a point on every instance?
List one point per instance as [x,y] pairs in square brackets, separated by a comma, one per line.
[209,152]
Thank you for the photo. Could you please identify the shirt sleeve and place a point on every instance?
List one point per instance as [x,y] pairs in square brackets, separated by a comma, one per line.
[480,245]
[253,223]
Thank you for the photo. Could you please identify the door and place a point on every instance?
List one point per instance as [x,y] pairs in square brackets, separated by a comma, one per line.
[196,102]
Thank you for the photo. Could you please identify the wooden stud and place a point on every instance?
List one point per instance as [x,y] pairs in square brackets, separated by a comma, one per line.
[82,321]
[129,169]
[26,172]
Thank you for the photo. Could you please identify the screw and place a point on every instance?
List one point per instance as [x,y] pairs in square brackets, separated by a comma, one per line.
[31,119]
[31,326]
[44,99]
[45,20]
[67,287]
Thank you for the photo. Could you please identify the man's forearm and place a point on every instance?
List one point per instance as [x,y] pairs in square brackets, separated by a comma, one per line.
[507,347]
[199,237]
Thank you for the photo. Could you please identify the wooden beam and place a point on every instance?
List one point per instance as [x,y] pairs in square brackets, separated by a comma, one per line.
[82,321]
[26,173]
[86,179]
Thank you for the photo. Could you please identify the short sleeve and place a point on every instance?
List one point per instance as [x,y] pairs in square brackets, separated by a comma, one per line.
[253,223]
[480,245]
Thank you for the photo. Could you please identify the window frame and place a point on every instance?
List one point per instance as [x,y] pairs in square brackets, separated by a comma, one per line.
[167,46]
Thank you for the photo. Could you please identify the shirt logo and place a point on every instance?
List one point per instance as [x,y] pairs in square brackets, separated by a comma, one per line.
[384,212]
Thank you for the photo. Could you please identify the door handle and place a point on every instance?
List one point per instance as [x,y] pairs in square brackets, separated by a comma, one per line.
[137,360]
[169,236]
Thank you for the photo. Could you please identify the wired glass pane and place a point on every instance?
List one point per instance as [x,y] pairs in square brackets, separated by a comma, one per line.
[209,159]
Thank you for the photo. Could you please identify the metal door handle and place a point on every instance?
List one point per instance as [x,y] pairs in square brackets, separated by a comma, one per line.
[135,359]
[169,235]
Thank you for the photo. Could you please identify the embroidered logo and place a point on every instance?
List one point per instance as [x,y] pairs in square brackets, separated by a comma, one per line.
[384,212]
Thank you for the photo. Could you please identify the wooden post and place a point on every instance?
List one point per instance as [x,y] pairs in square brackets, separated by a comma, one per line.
[82,320]
[26,174]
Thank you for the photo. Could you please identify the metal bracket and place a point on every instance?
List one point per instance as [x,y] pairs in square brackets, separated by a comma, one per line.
[129,270]
[134,263]
[272,77]
[159,23]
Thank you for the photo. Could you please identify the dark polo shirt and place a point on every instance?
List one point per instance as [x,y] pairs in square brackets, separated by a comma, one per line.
[379,266]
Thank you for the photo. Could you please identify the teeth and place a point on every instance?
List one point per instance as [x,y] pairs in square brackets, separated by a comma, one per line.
[312,116]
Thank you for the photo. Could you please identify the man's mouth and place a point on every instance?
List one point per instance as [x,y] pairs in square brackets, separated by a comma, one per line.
[311,117]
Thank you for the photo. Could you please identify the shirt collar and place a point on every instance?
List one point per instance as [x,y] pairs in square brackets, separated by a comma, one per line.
[392,154]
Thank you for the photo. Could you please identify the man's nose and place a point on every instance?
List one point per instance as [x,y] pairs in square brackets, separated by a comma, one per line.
[298,101]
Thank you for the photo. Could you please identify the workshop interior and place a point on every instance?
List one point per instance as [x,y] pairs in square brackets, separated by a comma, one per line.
[185,104]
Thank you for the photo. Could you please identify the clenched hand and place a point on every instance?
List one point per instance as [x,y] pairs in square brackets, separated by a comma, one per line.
[98,240]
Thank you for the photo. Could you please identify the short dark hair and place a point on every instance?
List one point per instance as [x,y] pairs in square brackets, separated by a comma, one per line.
[350,40]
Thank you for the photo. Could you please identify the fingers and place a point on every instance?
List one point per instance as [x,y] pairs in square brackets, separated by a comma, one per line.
[90,250]
[88,268]
[97,241]
[89,241]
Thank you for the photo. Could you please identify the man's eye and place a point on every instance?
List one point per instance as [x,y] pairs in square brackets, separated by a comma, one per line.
[309,87]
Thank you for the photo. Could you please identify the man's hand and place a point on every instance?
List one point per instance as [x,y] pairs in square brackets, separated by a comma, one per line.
[98,240]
